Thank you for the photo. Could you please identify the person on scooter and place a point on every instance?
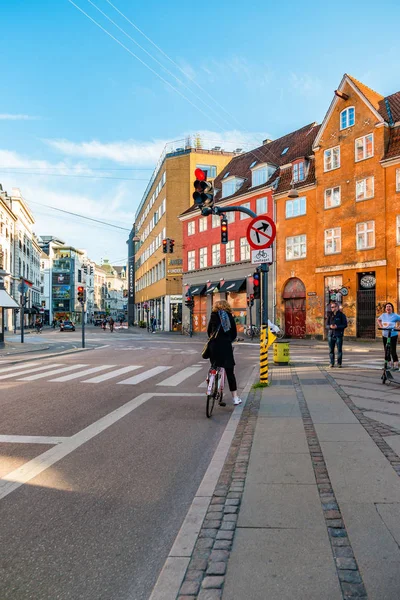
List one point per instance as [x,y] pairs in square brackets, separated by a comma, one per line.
[388,321]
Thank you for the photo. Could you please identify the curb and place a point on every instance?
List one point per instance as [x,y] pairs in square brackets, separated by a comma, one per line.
[54,354]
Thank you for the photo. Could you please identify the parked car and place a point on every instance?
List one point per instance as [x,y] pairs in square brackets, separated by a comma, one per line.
[67,326]
[97,322]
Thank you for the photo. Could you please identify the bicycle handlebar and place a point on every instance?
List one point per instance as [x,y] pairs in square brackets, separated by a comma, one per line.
[388,329]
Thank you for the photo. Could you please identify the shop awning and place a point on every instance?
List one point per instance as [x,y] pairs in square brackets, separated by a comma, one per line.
[213,287]
[6,301]
[196,290]
[234,285]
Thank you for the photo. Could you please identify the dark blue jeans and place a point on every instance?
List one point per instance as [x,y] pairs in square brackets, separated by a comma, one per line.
[335,339]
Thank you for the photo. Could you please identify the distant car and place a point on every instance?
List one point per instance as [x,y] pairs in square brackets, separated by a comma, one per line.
[97,322]
[67,326]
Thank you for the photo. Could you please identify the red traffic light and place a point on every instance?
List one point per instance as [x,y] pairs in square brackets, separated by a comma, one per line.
[256,279]
[200,174]
[80,289]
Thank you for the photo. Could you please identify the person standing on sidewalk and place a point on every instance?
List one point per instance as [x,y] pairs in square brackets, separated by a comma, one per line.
[336,324]
[222,325]
[388,320]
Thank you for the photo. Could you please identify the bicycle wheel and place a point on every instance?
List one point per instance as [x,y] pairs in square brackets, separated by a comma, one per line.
[280,334]
[211,397]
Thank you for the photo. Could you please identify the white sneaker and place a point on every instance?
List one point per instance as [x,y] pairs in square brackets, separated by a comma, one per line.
[237,401]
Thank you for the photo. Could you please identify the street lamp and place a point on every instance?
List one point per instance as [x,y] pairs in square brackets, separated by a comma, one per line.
[293,193]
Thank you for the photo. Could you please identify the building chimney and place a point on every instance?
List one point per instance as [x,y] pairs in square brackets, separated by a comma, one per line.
[267,141]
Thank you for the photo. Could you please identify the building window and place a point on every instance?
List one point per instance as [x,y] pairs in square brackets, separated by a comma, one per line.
[398,229]
[231,186]
[332,158]
[163,204]
[397,180]
[230,251]
[211,170]
[364,147]
[261,206]
[247,205]
[259,176]
[203,224]
[244,249]
[333,241]
[215,221]
[164,178]
[332,197]
[203,258]
[347,117]
[295,208]
[230,216]
[365,188]
[191,260]
[296,247]
[191,228]
[298,172]
[365,235]
[216,254]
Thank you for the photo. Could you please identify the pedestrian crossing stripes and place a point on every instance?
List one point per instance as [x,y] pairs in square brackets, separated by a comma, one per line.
[54,372]
[23,370]
[112,374]
[180,376]
[143,376]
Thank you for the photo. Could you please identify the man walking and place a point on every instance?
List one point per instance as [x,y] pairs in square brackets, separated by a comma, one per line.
[336,324]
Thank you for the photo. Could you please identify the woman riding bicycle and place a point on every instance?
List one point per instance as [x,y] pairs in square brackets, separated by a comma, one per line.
[222,325]
[388,320]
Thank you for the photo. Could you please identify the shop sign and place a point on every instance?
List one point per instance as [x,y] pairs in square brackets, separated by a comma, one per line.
[311,293]
[176,298]
[177,271]
[175,261]
[344,291]
[262,256]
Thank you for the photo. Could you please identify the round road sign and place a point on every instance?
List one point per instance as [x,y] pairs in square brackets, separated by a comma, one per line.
[261,232]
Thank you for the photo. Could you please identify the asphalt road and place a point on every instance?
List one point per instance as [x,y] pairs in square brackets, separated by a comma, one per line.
[90,507]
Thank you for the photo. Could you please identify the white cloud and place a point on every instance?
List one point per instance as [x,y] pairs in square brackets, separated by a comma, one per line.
[9,117]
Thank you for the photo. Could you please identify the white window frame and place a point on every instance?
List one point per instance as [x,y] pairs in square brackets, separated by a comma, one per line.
[297,171]
[332,190]
[244,249]
[364,146]
[191,228]
[346,111]
[293,242]
[203,259]
[264,211]
[367,227]
[236,182]
[331,156]
[216,254]
[297,202]
[230,217]
[230,251]
[332,236]
[362,183]
[398,229]
[243,215]
[191,256]
[216,221]
[202,224]
[397,180]
[259,175]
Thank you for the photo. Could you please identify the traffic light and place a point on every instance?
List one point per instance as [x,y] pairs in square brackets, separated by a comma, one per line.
[81,293]
[224,230]
[171,246]
[256,285]
[204,193]
[189,302]
[250,300]
[165,246]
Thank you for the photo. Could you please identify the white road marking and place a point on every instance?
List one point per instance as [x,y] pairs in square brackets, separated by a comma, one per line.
[30,370]
[142,376]
[100,347]
[50,373]
[203,384]
[31,439]
[16,367]
[33,468]
[180,376]
[82,373]
[116,373]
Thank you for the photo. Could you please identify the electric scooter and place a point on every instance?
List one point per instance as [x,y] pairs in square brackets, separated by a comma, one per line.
[387,375]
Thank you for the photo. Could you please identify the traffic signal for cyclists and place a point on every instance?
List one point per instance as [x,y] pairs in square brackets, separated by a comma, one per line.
[204,193]
[81,293]
[189,302]
[171,246]
[256,285]
[224,230]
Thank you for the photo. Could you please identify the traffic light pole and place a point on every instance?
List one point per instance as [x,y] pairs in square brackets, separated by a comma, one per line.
[22,316]
[190,322]
[264,325]
[83,324]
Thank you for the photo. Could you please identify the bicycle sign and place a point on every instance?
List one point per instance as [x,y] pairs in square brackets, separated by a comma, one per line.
[261,232]
[261,256]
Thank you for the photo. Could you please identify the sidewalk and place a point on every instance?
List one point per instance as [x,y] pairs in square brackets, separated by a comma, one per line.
[307,506]
[12,348]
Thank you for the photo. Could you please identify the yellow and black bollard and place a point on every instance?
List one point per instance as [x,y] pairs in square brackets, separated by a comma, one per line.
[264,354]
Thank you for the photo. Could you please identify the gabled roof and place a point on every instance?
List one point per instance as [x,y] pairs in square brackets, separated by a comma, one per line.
[373,97]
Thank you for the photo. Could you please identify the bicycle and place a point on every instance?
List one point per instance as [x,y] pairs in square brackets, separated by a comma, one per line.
[215,388]
[251,331]
[279,334]
[186,330]
[386,374]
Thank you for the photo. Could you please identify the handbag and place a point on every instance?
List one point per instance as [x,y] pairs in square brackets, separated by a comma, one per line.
[205,353]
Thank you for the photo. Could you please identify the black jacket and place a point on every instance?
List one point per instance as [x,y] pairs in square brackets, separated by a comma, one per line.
[221,351]
[339,319]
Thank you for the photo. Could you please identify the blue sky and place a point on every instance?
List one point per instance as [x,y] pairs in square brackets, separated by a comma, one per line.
[91,105]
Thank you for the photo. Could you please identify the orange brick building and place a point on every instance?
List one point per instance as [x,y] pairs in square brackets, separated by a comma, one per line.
[343,239]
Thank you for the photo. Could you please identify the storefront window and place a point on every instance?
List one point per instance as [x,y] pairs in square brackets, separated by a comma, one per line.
[176,316]
[200,313]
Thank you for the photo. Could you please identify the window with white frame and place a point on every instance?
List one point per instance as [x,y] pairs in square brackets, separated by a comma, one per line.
[259,176]
[191,260]
[296,247]
[191,228]
[298,171]
[230,251]
[364,147]
[347,117]
[398,229]
[216,219]
[243,215]
[216,254]
[231,186]
[397,180]
[203,257]
[164,178]
[332,158]
[295,208]
[211,170]
[261,206]
[244,249]
[365,188]
[230,216]
[365,236]
[163,206]
[333,240]
[203,224]
[332,197]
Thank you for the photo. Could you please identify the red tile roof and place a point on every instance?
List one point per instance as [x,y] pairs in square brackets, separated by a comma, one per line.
[393,149]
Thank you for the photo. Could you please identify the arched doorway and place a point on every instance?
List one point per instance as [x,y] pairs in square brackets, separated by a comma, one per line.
[294,297]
